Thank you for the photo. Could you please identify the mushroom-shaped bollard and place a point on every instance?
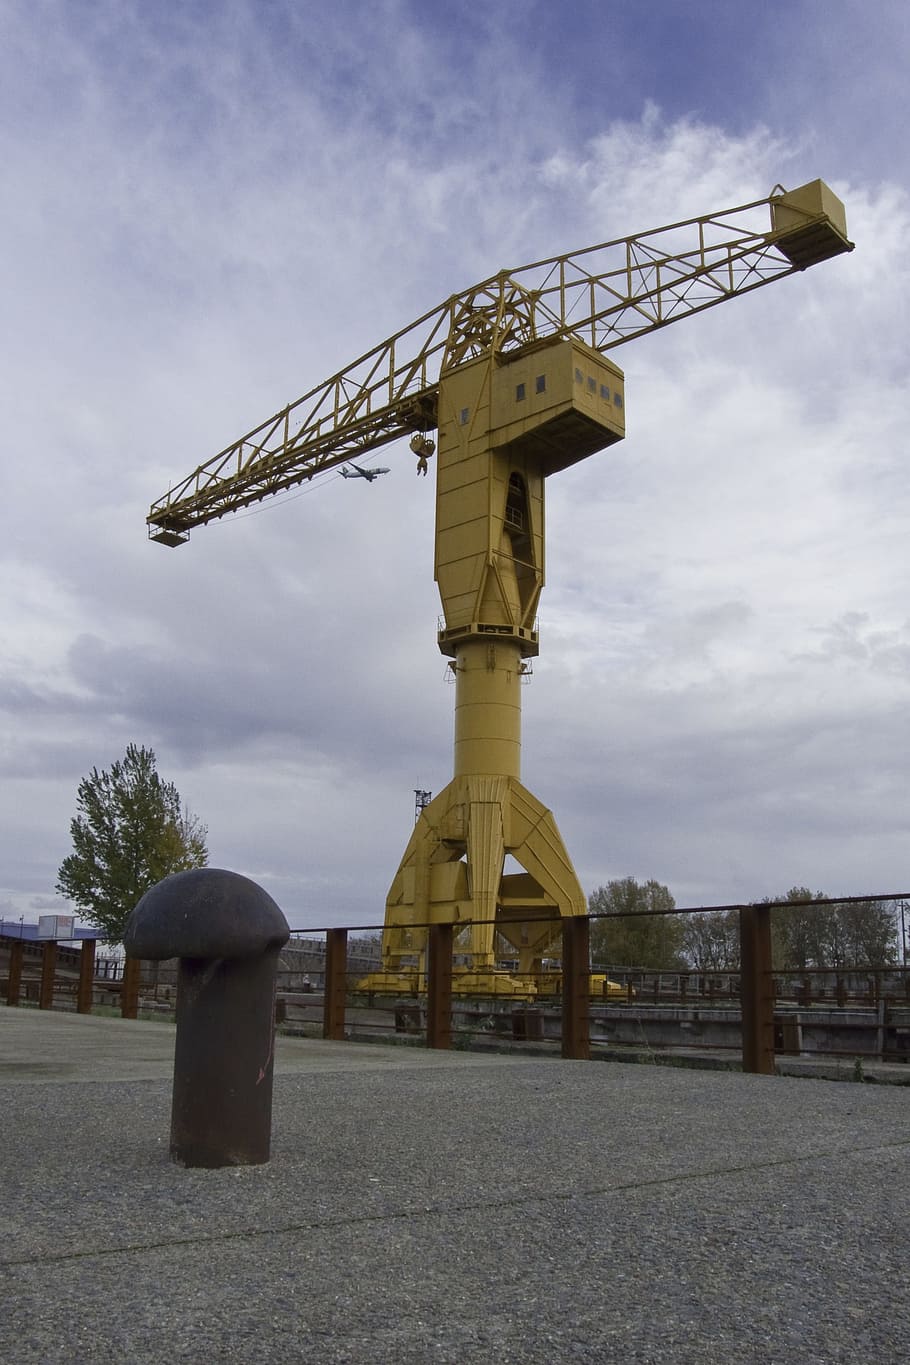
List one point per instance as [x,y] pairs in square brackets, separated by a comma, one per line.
[227,933]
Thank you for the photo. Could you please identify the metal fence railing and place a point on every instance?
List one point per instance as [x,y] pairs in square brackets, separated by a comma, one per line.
[332,984]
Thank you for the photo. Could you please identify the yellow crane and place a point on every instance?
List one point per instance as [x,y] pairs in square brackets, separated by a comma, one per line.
[515,378]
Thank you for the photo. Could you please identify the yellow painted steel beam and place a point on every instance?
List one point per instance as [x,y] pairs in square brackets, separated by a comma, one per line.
[603,296]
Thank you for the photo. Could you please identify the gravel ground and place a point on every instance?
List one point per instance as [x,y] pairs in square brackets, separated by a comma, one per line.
[452,1209]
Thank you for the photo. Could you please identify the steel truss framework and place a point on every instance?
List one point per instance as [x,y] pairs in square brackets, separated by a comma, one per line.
[603,295]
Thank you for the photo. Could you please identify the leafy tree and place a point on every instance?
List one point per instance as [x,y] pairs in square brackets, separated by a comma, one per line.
[800,936]
[867,935]
[131,830]
[632,932]
[857,934]
[711,941]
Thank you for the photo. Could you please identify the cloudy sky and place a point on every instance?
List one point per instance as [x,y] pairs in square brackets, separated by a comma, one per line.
[207,208]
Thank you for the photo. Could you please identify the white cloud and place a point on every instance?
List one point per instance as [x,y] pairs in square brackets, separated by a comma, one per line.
[201,233]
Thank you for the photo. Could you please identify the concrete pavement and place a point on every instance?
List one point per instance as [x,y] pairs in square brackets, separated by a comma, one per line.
[447,1207]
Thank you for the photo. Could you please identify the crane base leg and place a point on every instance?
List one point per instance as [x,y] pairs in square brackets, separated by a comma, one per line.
[453,872]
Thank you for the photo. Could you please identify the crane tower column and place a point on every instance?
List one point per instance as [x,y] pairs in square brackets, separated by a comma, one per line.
[504,425]
[488,678]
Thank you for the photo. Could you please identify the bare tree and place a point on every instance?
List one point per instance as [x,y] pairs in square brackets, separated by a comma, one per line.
[711,941]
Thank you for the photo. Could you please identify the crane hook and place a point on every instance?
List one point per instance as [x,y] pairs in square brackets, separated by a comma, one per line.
[423,448]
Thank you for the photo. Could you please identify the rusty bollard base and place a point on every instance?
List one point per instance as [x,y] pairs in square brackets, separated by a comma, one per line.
[227,932]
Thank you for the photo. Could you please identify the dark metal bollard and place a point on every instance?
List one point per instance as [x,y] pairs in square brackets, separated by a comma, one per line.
[227,933]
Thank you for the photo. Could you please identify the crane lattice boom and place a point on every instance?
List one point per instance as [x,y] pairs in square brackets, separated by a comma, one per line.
[603,296]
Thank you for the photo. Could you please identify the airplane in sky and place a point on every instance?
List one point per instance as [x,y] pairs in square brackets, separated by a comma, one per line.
[354,471]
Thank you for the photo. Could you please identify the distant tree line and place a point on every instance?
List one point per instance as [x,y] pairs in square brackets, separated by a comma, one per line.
[855,934]
[636,931]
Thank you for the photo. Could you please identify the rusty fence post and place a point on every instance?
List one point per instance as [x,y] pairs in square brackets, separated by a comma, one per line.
[576,978]
[336,970]
[757,1000]
[440,938]
[48,971]
[85,989]
[129,988]
[14,984]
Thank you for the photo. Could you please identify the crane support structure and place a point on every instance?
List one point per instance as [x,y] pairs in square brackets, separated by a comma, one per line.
[514,375]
